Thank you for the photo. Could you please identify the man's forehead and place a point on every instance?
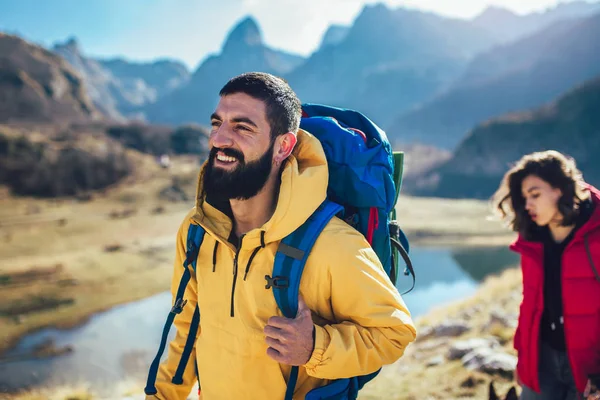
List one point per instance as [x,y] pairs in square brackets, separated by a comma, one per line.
[234,105]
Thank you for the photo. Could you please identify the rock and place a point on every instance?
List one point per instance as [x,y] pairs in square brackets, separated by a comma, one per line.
[461,348]
[467,314]
[450,328]
[470,382]
[490,361]
[433,344]
[477,308]
[433,361]
[498,317]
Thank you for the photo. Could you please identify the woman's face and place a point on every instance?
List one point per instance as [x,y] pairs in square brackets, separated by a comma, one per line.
[541,200]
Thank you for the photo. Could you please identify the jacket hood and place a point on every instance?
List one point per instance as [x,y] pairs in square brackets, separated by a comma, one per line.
[303,188]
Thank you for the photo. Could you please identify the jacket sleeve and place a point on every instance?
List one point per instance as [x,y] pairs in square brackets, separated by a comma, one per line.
[516,342]
[375,326]
[166,389]
[517,337]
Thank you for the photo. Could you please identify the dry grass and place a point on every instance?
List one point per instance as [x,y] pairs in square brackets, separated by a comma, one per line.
[410,378]
[118,246]
[103,261]
[451,222]
[124,390]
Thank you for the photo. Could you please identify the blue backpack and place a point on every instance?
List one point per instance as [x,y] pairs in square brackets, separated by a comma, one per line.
[365,177]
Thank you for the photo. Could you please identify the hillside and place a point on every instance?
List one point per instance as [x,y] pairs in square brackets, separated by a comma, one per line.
[118,87]
[38,86]
[389,60]
[508,26]
[244,50]
[521,75]
[571,125]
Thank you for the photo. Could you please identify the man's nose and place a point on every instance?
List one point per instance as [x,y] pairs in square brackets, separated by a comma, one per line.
[221,137]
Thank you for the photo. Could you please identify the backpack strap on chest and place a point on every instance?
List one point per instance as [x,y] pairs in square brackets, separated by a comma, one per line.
[289,263]
[194,240]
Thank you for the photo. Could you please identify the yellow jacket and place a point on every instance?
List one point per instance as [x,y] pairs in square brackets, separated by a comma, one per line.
[361,321]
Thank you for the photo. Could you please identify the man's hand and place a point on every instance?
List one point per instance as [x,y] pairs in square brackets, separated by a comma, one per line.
[291,341]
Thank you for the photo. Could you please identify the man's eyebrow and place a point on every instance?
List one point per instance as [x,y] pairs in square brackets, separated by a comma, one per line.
[215,116]
[245,120]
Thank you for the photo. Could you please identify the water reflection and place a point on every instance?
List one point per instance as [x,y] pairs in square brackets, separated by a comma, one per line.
[120,343]
[445,275]
[482,262]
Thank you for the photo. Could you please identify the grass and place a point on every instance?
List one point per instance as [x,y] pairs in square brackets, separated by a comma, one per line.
[435,221]
[62,260]
[409,378]
[117,248]
[107,253]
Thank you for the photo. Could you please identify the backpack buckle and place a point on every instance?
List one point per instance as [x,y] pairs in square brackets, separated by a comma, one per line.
[279,282]
[178,306]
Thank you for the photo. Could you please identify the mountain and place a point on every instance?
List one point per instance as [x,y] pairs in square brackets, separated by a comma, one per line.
[99,83]
[334,35]
[146,81]
[38,86]
[244,50]
[389,60]
[119,87]
[512,77]
[508,26]
[571,124]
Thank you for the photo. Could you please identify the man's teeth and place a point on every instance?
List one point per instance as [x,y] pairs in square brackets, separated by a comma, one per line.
[225,158]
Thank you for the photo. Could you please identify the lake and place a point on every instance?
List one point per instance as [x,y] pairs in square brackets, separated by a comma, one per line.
[120,343]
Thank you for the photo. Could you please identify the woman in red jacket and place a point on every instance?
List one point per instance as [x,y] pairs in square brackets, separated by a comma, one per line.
[557,217]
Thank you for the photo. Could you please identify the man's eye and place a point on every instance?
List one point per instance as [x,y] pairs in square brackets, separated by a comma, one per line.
[215,124]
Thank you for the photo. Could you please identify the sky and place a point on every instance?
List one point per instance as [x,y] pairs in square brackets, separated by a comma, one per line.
[190,30]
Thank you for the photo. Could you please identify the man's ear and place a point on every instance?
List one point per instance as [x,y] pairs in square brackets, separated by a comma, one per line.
[284,145]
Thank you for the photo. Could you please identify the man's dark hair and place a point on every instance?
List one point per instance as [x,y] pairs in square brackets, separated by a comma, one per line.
[282,105]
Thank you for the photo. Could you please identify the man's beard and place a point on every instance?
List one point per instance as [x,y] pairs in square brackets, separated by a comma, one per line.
[241,183]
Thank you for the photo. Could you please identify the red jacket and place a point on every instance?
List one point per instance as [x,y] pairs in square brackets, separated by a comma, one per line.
[581,303]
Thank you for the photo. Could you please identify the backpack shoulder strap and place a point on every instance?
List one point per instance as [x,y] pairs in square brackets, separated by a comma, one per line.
[290,259]
[194,240]
[195,237]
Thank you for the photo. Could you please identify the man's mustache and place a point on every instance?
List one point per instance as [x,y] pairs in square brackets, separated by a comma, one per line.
[228,152]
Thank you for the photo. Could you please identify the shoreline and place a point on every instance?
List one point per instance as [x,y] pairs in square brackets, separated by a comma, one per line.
[414,374]
[423,241]
[65,325]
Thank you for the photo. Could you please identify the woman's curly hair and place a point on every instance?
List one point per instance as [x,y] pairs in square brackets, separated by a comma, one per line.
[558,170]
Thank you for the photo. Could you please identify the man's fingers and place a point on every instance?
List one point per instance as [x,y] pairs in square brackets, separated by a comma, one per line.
[275,344]
[275,355]
[280,322]
[275,333]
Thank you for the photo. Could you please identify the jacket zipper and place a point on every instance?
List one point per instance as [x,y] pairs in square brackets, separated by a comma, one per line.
[235,272]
